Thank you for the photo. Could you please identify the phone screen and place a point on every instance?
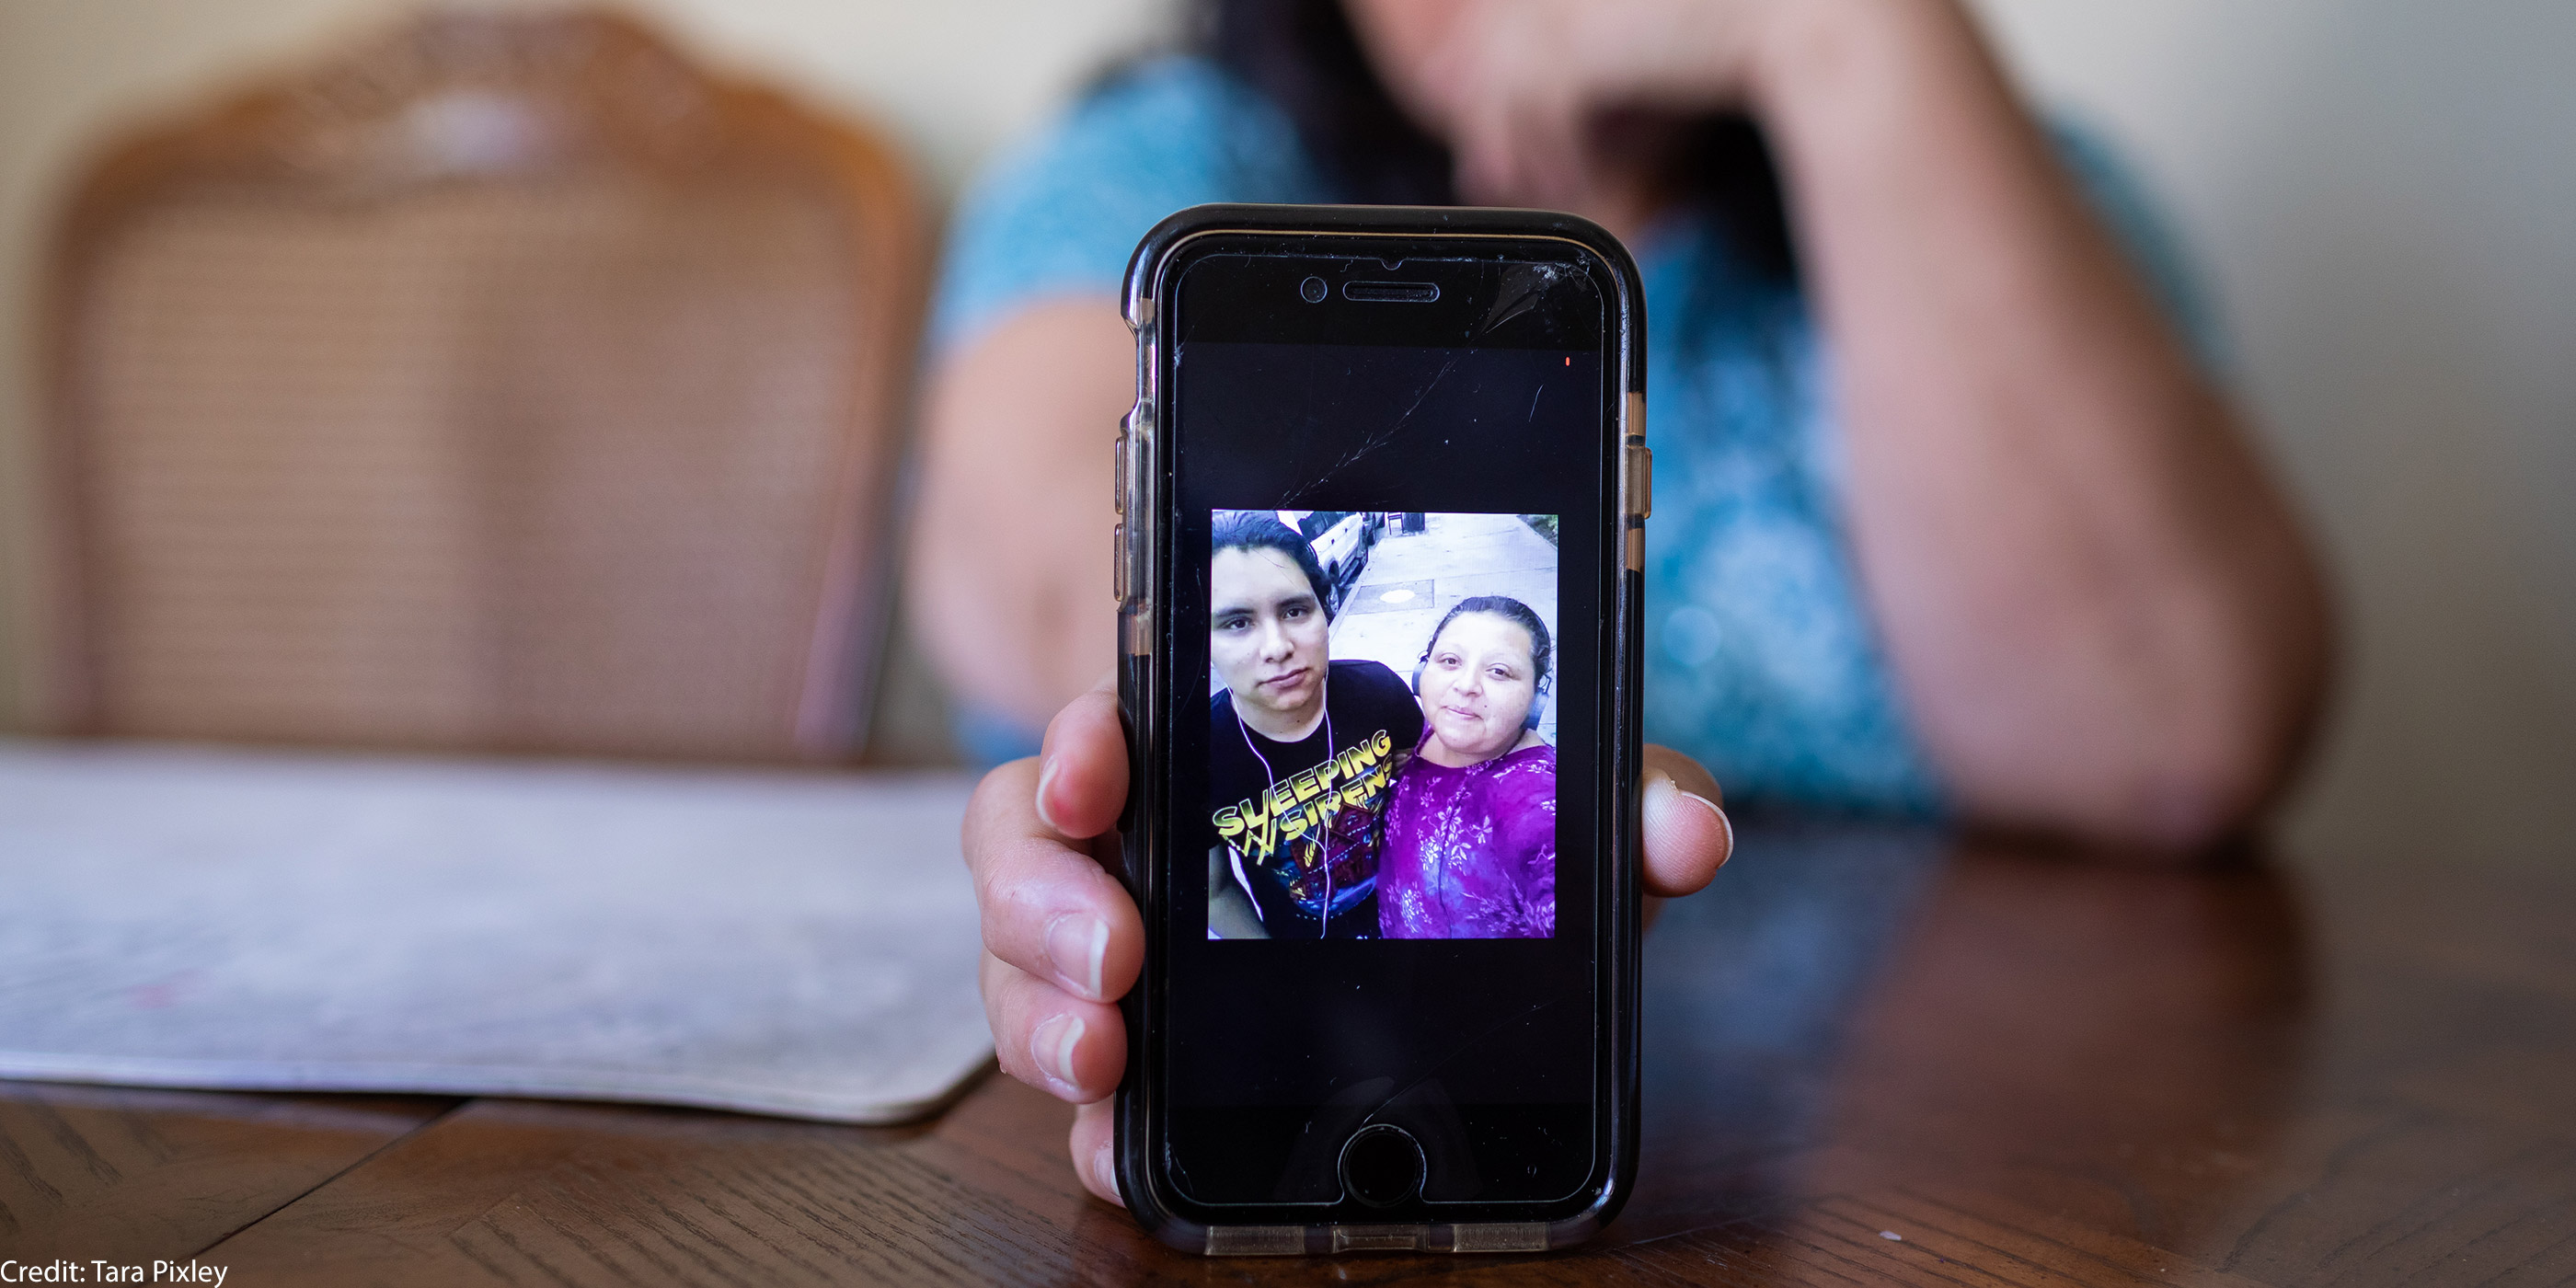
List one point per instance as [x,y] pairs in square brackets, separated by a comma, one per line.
[1391,505]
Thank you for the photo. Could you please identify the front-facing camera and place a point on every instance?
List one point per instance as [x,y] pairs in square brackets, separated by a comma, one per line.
[1314,290]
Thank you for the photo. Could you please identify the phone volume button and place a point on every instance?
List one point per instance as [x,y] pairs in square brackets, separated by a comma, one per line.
[1118,565]
[1118,474]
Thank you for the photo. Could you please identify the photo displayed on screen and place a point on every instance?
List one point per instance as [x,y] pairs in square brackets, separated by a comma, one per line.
[1382,758]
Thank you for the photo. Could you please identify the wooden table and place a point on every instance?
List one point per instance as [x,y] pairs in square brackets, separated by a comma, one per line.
[1872,1056]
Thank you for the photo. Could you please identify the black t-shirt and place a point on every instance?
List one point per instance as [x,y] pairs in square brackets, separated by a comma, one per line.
[1298,819]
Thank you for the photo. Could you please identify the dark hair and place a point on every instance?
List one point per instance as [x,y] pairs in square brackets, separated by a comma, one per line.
[1262,530]
[1503,606]
[1304,57]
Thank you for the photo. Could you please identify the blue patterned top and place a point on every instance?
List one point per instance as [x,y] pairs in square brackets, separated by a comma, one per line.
[1761,657]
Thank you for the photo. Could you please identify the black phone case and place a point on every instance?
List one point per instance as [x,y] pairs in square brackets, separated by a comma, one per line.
[1141,557]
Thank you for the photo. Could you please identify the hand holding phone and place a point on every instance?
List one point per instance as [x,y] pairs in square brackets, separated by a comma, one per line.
[1387,747]
[1063,940]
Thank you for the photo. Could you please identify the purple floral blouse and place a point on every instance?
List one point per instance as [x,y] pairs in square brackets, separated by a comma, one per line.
[1471,852]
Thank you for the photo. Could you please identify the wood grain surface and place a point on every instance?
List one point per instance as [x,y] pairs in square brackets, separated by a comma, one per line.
[145,1175]
[1873,1056]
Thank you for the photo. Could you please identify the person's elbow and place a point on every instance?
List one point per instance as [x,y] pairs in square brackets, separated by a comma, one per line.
[2209,782]
[2164,745]
[2208,757]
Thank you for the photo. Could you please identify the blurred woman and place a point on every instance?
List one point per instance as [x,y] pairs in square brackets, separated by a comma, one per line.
[1949,516]
[1470,848]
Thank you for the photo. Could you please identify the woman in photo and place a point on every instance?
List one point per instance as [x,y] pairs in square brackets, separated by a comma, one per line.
[1470,848]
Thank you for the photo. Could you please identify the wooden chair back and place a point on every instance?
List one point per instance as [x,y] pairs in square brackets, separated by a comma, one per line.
[509,385]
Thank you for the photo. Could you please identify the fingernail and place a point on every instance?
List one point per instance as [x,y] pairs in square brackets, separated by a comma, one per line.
[1704,803]
[1658,778]
[1052,1047]
[1724,823]
[1075,944]
[1104,1169]
[1046,774]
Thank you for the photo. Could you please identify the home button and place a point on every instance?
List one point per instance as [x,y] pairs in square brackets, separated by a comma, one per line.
[1381,1165]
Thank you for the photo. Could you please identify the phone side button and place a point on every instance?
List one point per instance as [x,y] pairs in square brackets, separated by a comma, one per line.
[1118,473]
[1118,565]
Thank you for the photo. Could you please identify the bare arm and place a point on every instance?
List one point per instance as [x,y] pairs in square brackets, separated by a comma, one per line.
[2101,611]
[1010,553]
[1230,911]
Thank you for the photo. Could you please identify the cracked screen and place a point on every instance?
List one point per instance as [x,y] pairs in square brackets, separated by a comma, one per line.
[1391,552]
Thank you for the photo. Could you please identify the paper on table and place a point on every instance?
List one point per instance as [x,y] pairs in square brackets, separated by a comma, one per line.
[778,942]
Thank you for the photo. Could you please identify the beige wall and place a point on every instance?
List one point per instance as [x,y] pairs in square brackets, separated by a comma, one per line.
[2380,191]
[2384,193]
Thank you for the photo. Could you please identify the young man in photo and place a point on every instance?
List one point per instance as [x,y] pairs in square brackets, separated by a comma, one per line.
[1299,745]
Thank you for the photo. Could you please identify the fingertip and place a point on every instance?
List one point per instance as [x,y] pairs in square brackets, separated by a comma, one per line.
[1688,837]
[1093,1146]
[1055,1050]
[1104,1173]
[1046,779]
[1082,776]
[1066,1047]
[1122,949]
[1726,825]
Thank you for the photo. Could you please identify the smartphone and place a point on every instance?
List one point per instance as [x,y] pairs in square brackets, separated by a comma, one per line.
[1381,503]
